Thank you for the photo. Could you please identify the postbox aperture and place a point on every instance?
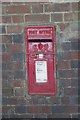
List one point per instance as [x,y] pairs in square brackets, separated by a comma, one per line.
[40,43]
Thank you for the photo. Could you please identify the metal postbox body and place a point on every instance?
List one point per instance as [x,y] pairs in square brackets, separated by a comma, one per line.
[40,50]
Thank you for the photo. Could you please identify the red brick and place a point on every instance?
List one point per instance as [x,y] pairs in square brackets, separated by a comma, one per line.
[12,65]
[7,75]
[6,86]
[73,16]
[63,65]
[71,91]
[5,83]
[49,8]
[37,8]
[9,100]
[18,56]
[60,7]
[19,91]
[57,17]
[14,48]
[65,83]
[75,6]
[23,101]
[15,100]
[6,57]
[19,9]
[39,109]
[6,19]
[75,55]
[63,26]
[17,19]
[45,109]
[6,66]
[65,100]
[37,18]
[6,109]
[66,73]
[19,74]
[17,83]
[33,109]
[14,29]
[7,92]
[17,66]
[55,100]
[71,109]
[6,39]
[29,101]
[67,55]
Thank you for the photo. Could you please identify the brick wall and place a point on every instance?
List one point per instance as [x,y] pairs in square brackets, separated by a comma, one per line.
[15,99]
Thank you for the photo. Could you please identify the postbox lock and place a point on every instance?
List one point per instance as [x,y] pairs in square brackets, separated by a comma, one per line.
[41,55]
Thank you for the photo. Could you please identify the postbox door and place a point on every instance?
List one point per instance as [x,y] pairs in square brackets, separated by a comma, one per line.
[40,60]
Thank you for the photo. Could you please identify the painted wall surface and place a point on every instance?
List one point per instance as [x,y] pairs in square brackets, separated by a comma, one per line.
[16,103]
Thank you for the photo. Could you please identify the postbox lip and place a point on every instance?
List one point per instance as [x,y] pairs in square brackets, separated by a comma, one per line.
[41,26]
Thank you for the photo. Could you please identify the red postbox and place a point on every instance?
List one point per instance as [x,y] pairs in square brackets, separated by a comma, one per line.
[40,50]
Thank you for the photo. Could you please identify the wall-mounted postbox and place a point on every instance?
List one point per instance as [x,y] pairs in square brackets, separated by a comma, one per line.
[40,50]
